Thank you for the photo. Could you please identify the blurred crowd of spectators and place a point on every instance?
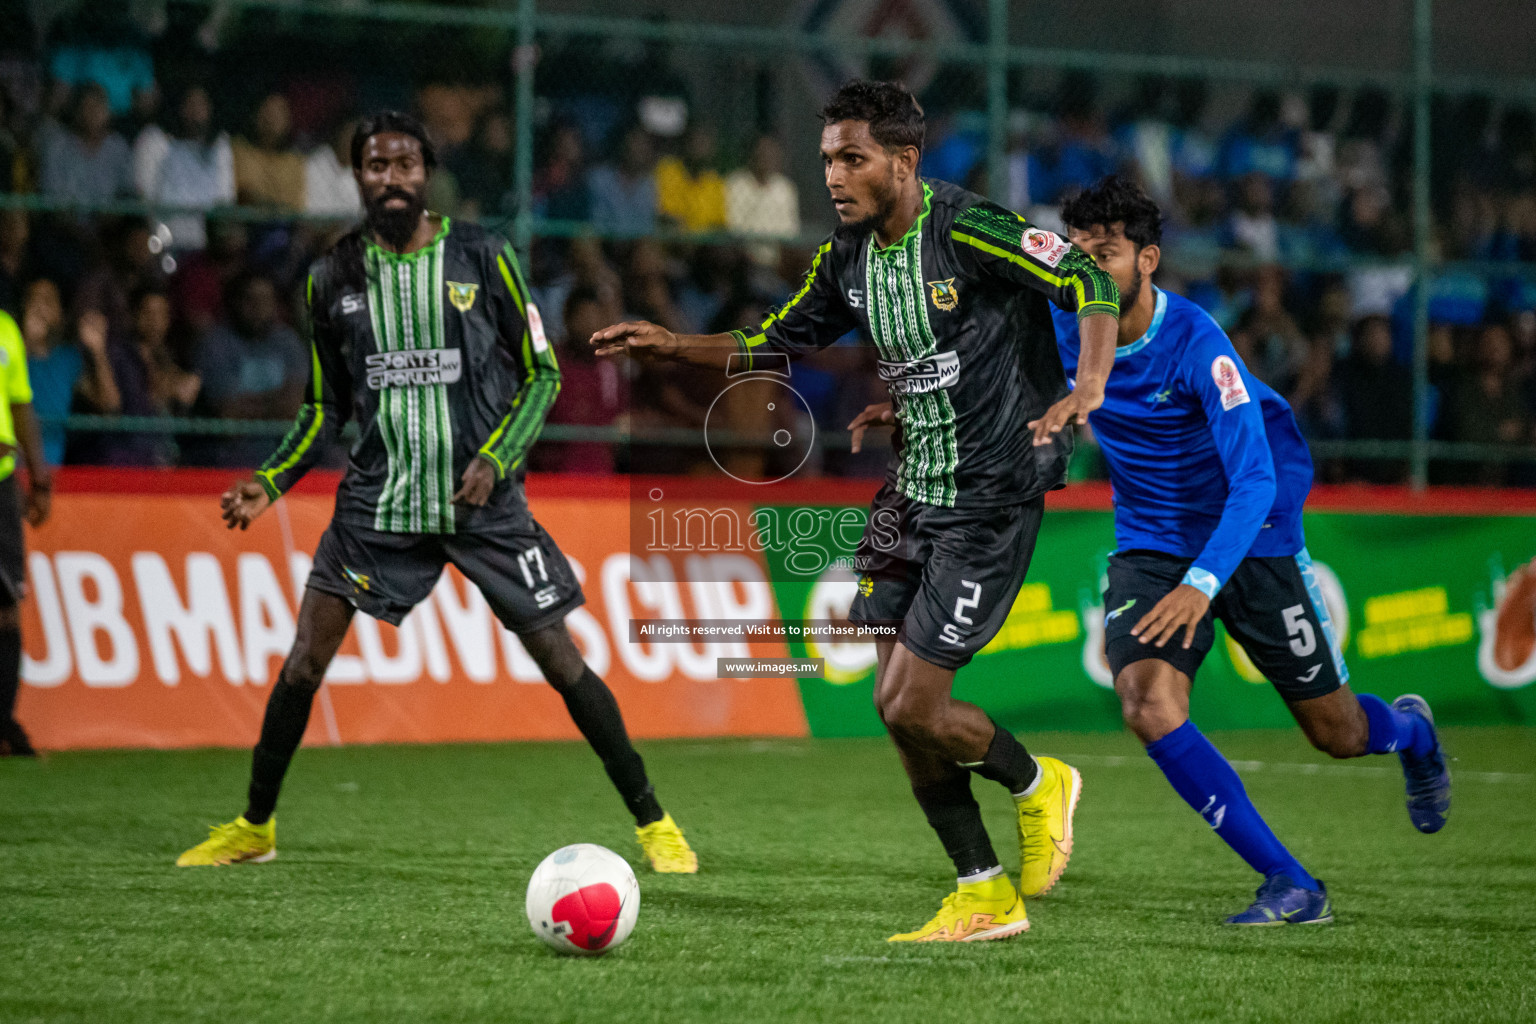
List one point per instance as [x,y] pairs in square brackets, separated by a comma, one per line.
[656,214]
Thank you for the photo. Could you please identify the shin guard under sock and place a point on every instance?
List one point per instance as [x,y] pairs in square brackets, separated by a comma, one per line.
[282,728]
[1205,780]
[955,816]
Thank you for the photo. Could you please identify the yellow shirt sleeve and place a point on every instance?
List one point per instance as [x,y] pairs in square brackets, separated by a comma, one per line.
[18,386]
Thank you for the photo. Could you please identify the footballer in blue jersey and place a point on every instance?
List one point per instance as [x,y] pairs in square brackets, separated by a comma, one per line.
[1210,473]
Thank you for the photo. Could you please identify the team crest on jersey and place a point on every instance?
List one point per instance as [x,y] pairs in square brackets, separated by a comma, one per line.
[1046,246]
[944,295]
[359,580]
[1229,382]
[866,585]
[462,295]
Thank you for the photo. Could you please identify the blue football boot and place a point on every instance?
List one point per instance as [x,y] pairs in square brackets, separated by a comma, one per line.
[1428,777]
[1282,901]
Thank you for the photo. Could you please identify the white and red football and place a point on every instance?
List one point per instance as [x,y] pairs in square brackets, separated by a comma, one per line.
[583,900]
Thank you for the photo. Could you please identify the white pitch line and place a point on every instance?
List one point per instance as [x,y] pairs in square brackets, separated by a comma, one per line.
[1289,768]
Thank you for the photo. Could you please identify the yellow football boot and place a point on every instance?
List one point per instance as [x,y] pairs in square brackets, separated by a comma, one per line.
[1045,826]
[236,842]
[975,912]
[664,844]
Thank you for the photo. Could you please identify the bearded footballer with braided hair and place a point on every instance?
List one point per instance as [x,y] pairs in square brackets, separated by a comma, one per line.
[421,329]
[1210,473]
[955,293]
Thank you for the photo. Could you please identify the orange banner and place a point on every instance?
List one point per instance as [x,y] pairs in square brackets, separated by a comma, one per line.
[150,625]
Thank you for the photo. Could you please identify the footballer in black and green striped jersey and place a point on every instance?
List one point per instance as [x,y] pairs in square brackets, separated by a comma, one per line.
[422,330]
[954,292]
[440,358]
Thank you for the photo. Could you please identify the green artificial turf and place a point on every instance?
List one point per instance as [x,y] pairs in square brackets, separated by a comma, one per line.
[398,892]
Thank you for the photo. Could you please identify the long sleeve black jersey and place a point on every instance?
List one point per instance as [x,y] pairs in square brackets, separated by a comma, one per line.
[957,310]
[440,357]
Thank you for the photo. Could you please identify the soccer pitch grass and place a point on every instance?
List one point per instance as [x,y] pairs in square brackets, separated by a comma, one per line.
[398,891]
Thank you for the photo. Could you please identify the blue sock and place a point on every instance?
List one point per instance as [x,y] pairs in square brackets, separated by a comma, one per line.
[1393,731]
[1205,780]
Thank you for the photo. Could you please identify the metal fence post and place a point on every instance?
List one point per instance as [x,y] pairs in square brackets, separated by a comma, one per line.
[1423,58]
[524,63]
[997,100]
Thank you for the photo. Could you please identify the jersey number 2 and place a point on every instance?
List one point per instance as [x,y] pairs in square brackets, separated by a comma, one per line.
[949,633]
[962,603]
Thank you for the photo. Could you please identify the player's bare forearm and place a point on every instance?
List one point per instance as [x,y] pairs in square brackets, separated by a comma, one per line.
[1098,332]
[642,340]
[39,476]
[30,437]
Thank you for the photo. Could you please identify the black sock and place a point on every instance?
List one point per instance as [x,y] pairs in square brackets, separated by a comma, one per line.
[281,730]
[955,816]
[10,671]
[596,714]
[1007,762]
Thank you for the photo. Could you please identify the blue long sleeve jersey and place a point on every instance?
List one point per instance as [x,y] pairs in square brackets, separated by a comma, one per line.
[1206,460]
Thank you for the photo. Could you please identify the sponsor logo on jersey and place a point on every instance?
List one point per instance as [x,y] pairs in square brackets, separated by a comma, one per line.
[1046,246]
[920,376]
[1162,396]
[944,295]
[417,368]
[352,304]
[1229,382]
[855,298]
[461,295]
[536,329]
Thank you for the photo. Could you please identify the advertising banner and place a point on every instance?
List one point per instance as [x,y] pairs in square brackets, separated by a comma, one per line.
[150,625]
[1414,599]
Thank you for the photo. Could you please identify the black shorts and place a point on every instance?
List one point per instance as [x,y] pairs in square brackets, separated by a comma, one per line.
[13,548]
[517,566]
[948,576]
[1272,607]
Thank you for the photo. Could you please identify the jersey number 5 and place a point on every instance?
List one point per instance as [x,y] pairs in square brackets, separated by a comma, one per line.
[1303,639]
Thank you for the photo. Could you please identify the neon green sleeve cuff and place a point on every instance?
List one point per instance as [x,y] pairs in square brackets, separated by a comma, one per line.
[501,470]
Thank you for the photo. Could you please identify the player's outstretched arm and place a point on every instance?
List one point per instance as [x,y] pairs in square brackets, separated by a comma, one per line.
[1098,332]
[640,339]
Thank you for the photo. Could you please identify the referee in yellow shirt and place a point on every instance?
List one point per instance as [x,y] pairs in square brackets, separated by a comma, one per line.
[18,428]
